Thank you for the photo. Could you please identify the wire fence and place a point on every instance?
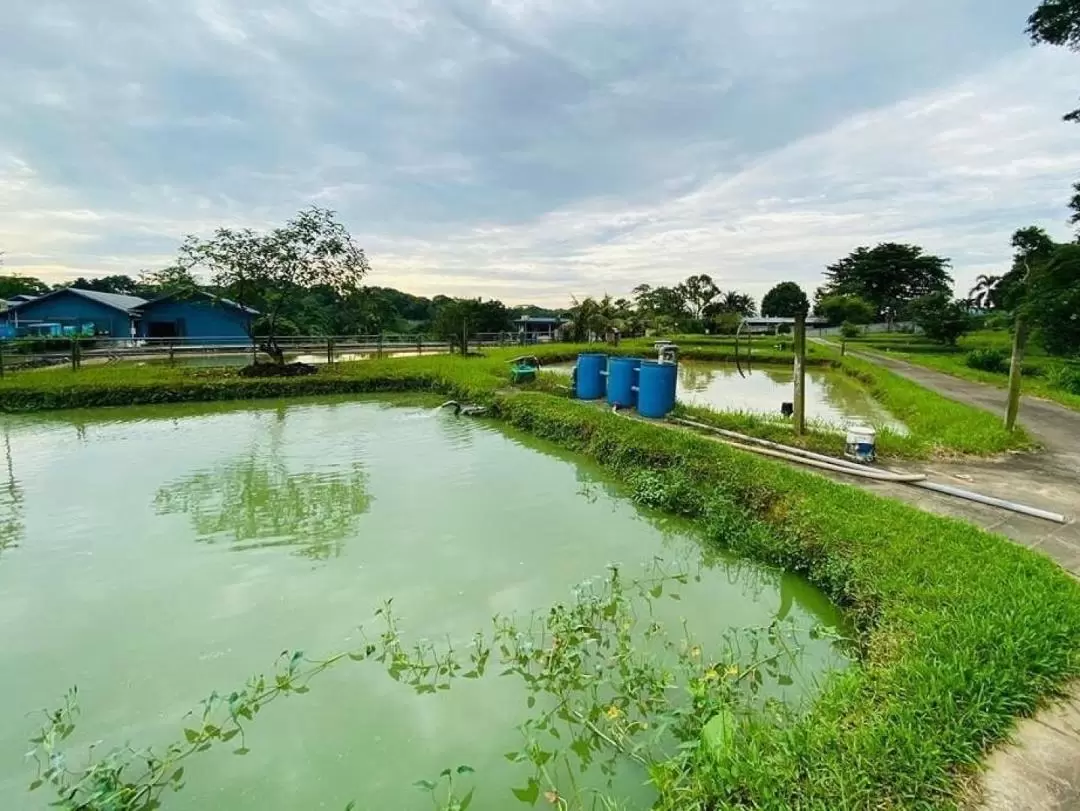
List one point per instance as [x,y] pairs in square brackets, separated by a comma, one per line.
[32,353]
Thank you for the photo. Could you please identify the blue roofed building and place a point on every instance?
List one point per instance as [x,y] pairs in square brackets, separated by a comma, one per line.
[72,310]
[195,316]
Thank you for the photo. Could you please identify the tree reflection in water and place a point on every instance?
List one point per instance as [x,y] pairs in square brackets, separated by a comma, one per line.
[12,525]
[258,503]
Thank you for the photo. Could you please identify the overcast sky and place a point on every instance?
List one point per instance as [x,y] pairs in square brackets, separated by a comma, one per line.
[533,149]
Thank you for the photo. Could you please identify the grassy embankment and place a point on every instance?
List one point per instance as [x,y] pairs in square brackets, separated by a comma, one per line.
[937,426]
[959,632]
[1044,376]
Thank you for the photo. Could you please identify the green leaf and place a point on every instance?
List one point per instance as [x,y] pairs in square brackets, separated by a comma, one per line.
[178,775]
[530,793]
[351,806]
[656,590]
[243,750]
[531,701]
[191,735]
[424,785]
[36,784]
[465,770]
[466,801]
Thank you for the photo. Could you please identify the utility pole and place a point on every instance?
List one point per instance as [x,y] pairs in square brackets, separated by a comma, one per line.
[800,375]
[1020,336]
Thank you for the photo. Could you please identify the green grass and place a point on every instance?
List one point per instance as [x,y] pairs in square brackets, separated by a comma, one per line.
[951,360]
[937,426]
[959,632]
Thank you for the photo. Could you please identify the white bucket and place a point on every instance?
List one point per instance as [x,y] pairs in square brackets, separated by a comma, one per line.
[860,443]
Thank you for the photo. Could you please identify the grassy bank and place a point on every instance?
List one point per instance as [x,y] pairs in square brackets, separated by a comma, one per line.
[959,631]
[1044,376]
[937,426]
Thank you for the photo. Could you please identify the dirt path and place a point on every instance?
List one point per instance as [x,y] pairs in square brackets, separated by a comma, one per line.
[1040,770]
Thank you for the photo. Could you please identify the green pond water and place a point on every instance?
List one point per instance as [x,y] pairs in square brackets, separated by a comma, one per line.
[832,398]
[153,555]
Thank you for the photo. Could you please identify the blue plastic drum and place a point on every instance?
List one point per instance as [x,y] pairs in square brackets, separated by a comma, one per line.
[589,382]
[656,388]
[622,381]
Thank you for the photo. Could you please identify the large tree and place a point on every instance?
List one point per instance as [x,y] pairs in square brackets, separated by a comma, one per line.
[845,310]
[457,320]
[267,271]
[21,285]
[1052,302]
[889,276]
[1057,22]
[785,300]
[698,292]
[661,308]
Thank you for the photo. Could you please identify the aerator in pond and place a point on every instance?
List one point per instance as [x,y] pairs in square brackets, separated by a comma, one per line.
[524,369]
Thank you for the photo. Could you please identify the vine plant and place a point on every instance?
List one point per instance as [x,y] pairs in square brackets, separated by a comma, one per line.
[604,683]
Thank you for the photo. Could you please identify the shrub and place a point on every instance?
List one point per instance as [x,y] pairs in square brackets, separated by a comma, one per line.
[1066,378]
[988,360]
[850,330]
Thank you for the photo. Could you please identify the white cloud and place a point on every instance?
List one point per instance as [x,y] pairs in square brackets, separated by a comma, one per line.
[533,149]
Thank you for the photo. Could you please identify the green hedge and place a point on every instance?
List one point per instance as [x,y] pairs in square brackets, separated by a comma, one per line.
[960,631]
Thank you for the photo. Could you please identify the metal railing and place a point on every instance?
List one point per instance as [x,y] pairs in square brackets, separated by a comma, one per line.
[29,353]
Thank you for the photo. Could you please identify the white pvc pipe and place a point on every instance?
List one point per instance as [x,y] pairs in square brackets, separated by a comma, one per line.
[823,462]
[991,501]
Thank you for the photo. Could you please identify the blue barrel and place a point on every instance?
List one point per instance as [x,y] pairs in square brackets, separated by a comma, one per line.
[622,381]
[589,380]
[656,388]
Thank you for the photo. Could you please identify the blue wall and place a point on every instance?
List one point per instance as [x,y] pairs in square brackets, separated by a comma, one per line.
[72,309]
[196,318]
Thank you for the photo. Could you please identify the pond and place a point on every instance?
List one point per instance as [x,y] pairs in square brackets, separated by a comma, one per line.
[832,398]
[153,555]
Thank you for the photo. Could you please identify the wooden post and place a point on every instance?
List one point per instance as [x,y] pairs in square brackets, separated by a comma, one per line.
[843,346]
[74,355]
[1020,336]
[800,375]
[1,358]
[172,353]
[379,345]
[329,350]
[419,344]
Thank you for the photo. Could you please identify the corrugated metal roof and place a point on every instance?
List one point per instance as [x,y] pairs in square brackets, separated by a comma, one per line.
[115,300]
[205,295]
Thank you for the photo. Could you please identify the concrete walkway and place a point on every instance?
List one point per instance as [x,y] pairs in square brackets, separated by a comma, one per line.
[1040,769]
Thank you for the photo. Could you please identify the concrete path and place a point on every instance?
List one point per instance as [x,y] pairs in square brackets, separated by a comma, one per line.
[1040,769]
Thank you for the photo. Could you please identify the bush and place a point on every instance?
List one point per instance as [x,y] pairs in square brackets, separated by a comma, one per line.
[940,319]
[850,330]
[988,360]
[1066,378]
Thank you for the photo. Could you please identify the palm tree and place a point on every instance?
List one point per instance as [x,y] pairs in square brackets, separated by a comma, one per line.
[734,302]
[982,295]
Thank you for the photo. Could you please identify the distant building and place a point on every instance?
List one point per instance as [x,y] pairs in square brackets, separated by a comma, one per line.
[74,311]
[194,316]
[770,325]
[536,328]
